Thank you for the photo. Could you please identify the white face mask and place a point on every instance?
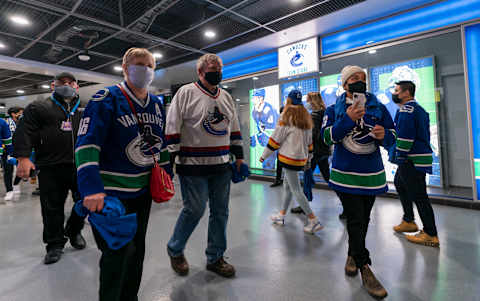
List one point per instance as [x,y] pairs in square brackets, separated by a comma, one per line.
[308,106]
[140,76]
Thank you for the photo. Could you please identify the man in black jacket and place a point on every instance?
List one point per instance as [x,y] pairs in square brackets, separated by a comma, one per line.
[50,127]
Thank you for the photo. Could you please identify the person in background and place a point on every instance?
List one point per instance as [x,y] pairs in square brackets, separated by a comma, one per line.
[278,175]
[413,154]
[13,187]
[115,157]
[292,139]
[358,124]
[203,131]
[5,151]
[50,126]
[321,151]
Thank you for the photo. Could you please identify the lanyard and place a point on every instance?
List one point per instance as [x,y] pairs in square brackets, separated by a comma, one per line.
[72,112]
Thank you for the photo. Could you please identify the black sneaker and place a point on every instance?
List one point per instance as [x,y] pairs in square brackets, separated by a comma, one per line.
[222,268]
[53,256]
[77,241]
[36,192]
[276,183]
[297,210]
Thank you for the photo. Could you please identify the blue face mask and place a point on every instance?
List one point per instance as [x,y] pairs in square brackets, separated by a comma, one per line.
[140,76]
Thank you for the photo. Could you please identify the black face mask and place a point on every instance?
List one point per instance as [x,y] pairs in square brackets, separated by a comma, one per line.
[213,78]
[357,87]
[396,99]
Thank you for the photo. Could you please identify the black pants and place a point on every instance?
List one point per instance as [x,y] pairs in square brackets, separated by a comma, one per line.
[121,270]
[7,174]
[357,208]
[411,187]
[55,181]
[278,177]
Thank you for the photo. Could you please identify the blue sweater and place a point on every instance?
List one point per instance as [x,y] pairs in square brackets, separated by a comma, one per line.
[412,124]
[357,166]
[6,137]
[110,155]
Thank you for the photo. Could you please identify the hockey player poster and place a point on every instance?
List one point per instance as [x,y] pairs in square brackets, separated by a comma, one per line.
[422,73]
[331,88]
[264,113]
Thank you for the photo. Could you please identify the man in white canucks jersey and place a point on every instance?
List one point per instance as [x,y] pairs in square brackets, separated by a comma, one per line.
[413,154]
[202,131]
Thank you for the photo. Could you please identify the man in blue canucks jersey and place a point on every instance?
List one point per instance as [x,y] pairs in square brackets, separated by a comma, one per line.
[122,129]
[6,137]
[358,125]
[413,155]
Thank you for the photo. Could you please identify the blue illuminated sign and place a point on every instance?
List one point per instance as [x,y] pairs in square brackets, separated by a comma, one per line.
[256,64]
[472,44]
[442,14]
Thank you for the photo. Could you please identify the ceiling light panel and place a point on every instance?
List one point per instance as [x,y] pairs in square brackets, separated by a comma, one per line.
[225,26]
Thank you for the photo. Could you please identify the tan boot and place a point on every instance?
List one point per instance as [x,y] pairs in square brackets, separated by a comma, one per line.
[371,284]
[350,267]
[423,238]
[406,227]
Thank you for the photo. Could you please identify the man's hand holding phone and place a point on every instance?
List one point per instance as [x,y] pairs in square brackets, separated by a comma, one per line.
[357,110]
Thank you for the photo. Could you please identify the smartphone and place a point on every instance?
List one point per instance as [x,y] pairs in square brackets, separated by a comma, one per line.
[359,98]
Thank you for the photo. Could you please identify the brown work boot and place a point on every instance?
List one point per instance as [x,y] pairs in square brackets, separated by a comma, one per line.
[406,227]
[350,267]
[373,286]
[423,238]
[222,268]
[179,265]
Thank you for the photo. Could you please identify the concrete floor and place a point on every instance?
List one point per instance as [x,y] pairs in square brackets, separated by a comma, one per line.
[273,262]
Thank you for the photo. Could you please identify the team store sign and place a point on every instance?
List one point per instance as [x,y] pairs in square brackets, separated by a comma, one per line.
[299,58]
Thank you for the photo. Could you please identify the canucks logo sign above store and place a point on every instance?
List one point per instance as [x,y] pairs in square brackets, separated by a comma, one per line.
[299,58]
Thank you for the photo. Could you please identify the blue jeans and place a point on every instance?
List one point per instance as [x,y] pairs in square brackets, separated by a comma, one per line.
[196,191]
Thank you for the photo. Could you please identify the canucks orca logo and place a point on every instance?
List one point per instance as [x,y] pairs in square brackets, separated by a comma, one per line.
[138,150]
[359,141]
[297,59]
[216,123]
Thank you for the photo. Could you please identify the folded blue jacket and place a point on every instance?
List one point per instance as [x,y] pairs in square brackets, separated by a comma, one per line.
[239,176]
[116,228]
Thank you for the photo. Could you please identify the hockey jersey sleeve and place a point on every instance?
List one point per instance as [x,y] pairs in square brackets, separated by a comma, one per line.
[275,141]
[389,126]
[91,136]
[405,130]
[174,122]
[236,138]
[6,137]
[335,130]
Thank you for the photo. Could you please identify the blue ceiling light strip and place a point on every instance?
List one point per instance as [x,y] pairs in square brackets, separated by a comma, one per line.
[472,45]
[432,17]
[250,66]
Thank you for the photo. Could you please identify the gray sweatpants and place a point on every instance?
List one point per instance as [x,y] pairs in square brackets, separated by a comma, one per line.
[291,186]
